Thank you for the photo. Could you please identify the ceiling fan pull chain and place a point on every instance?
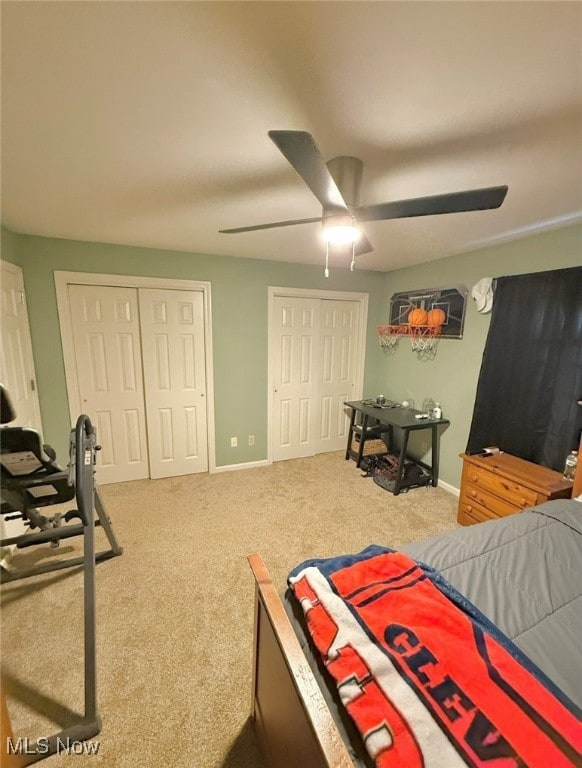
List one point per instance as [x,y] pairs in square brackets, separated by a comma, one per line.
[353,264]
[326,270]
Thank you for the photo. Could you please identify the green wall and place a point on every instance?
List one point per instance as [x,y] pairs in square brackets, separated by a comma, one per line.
[451,377]
[239,325]
[9,245]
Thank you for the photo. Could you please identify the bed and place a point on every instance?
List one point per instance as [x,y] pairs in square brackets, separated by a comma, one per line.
[535,600]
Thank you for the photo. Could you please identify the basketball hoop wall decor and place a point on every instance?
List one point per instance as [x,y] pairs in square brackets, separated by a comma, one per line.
[389,336]
[425,316]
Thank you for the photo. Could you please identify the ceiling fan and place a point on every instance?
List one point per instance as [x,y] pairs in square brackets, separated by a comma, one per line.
[337,186]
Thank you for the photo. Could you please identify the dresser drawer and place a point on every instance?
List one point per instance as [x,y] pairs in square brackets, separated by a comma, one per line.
[473,494]
[515,493]
[501,485]
[474,513]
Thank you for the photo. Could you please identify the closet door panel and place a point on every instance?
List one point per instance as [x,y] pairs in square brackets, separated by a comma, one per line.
[106,338]
[339,335]
[172,335]
[295,373]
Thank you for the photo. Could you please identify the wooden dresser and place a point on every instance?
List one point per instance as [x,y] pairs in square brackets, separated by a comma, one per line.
[495,486]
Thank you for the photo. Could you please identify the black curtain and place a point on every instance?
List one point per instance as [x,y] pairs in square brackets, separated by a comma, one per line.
[531,375]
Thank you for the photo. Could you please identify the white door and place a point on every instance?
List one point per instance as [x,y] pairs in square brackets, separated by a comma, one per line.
[339,334]
[295,373]
[17,372]
[109,373]
[172,333]
[16,362]
[314,365]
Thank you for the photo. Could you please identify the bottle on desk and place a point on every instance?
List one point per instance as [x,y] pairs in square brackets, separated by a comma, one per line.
[570,467]
[437,411]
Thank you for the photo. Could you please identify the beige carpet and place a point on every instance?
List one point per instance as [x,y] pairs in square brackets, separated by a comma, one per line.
[175,610]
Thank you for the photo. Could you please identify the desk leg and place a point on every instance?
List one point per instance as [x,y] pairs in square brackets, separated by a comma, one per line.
[391,438]
[435,457]
[362,438]
[400,472]
[350,433]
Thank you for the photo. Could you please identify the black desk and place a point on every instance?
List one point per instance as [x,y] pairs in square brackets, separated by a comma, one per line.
[401,418]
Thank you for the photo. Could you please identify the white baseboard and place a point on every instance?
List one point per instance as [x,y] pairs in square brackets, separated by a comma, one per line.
[245,465]
[449,488]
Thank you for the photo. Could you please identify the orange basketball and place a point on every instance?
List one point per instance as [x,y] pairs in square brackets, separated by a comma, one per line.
[436,317]
[417,316]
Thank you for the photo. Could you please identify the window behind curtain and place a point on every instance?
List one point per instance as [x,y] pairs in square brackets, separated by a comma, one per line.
[531,374]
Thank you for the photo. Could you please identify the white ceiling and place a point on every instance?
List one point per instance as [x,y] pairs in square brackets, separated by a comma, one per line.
[145,123]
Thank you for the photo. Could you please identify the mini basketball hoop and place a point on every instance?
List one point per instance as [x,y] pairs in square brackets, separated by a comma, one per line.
[389,335]
[424,339]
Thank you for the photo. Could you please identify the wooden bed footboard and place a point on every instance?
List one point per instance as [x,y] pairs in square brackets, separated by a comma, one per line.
[291,718]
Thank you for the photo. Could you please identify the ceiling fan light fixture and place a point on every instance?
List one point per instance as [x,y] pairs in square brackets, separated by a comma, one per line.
[341,234]
[341,230]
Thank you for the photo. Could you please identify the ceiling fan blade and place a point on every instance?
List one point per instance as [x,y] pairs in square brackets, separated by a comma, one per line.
[455,202]
[300,150]
[268,226]
[363,246]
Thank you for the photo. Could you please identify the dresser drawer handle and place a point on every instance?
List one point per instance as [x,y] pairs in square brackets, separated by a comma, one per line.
[469,508]
[474,478]
[474,494]
[523,503]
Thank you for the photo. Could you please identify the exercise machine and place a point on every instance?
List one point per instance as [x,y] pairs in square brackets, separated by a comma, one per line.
[32,480]
[83,449]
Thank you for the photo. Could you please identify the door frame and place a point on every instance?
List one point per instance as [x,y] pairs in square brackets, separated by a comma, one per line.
[62,282]
[315,293]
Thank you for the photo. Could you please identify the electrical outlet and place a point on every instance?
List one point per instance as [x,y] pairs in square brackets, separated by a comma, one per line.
[251,439]
[233,442]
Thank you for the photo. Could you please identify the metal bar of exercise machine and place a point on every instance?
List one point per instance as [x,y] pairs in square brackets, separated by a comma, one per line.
[83,449]
[101,520]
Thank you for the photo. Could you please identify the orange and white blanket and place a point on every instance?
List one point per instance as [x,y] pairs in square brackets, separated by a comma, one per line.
[427,679]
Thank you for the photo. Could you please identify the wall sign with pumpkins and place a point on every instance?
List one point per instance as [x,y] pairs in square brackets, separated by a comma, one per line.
[425,316]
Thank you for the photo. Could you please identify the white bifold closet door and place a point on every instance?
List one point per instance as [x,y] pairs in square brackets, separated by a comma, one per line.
[175,385]
[339,331]
[107,342]
[313,367]
[295,371]
[141,377]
